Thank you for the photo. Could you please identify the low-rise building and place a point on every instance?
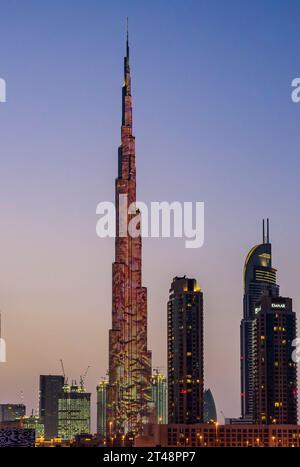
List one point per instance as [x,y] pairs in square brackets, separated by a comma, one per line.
[215,435]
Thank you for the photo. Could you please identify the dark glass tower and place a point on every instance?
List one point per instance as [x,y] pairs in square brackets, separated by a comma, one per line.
[275,372]
[210,411]
[259,278]
[101,408]
[185,352]
[50,391]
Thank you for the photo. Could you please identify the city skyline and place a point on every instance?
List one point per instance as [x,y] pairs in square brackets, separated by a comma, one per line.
[55,269]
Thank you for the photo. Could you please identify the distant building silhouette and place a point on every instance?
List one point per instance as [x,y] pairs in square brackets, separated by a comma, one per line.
[11,412]
[210,411]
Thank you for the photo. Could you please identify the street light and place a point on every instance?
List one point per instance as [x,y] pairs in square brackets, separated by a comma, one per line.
[110,432]
[216,425]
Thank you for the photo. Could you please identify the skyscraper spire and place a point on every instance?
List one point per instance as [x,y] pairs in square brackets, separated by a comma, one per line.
[266,237]
[126,92]
[128,394]
[127,38]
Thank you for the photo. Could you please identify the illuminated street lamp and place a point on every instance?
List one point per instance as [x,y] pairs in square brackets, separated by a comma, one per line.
[216,425]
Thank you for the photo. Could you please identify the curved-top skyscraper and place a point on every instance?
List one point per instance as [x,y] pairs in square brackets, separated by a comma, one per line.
[259,277]
[129,390]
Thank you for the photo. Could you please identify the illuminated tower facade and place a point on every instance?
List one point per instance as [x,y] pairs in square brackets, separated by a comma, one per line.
[159,396]
[74,412]
[185,352]
[275,371]
[259,278]
[101,408]
[129,390]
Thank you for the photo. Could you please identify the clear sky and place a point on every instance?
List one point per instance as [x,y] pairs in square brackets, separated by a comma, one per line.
[213,121]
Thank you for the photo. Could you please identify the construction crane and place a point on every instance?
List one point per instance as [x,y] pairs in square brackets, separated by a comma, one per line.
[63,370]
[82,377]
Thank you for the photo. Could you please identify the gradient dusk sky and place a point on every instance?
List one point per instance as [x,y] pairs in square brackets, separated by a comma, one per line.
[214,122]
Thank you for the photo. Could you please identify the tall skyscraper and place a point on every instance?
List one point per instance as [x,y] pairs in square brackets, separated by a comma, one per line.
[10,412]
[259,277]
[159,396]
[129,392]
[274,369]
[101,408]
[74,412]
[50,391]
[185,352]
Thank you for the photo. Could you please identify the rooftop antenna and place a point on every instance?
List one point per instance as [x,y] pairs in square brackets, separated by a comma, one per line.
[264,237]
[127,36]
[268,231]
[127,39]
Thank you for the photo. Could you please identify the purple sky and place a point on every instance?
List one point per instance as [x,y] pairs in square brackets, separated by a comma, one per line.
[214,122]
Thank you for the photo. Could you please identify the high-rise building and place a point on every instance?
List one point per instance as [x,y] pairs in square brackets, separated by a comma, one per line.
[50,391]
[159,396]
[10,412]
[101,408]
[129,391]
[74,412]
[185,352]
[34,422]
[259,277]
[210,411]
[274,369]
